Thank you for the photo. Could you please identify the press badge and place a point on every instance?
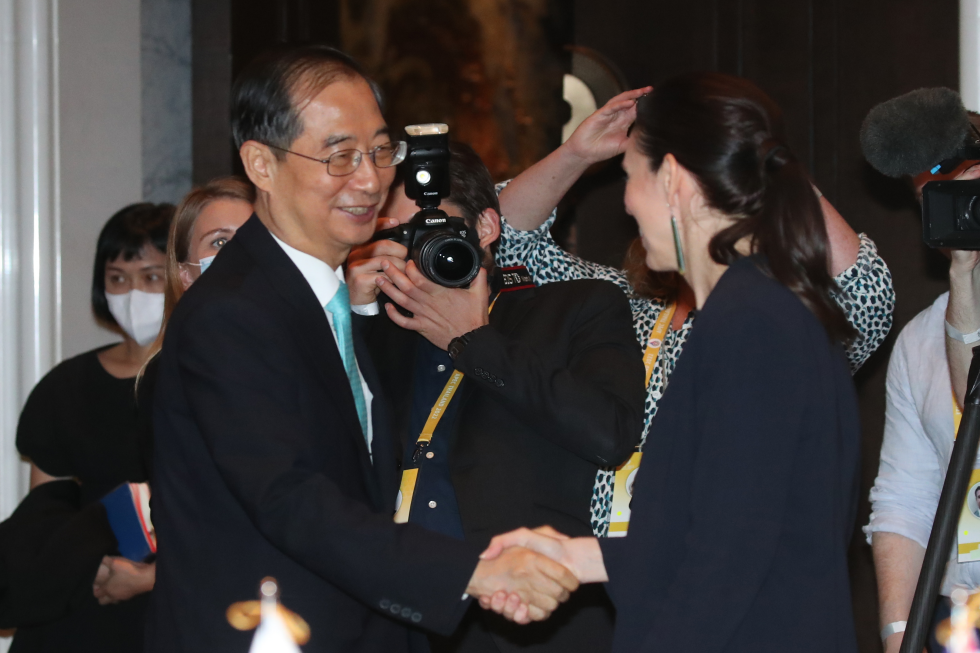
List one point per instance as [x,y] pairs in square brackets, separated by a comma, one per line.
[968,528]
[619,521]
[403,502]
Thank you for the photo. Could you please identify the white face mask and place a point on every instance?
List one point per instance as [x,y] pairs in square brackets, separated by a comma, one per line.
[205,262]
[140,314]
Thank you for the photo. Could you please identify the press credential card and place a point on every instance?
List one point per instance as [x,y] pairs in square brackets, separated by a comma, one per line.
[968,531]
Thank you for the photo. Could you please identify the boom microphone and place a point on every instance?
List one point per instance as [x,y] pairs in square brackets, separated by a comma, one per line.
[927,129]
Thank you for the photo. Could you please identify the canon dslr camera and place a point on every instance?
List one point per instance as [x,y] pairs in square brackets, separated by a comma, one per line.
[444,248]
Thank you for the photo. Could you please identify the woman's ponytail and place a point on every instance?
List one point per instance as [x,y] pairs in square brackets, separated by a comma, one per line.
[724,130]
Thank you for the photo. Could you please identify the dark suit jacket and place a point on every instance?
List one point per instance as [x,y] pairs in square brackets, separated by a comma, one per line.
[260,469]
[760,419]
[552,390]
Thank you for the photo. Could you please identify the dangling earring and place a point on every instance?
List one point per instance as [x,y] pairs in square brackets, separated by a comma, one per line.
[681,265]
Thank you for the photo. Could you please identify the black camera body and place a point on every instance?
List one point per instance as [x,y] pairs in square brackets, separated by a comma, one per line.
[445,249]
[951,214]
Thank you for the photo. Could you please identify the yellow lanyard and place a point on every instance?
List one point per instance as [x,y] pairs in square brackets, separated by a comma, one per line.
[957,417]
[656,340]
[619,521]
[403,503]
[439,408]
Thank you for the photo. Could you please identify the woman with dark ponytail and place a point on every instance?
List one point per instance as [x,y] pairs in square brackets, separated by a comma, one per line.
[743,508]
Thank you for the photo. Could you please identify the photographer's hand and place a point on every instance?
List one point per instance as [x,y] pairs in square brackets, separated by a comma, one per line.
[440,314]
[365,261]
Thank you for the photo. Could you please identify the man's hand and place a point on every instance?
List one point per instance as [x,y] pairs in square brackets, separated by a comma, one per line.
[440,314]
[120,579]
[364,265]
[538,584]
[603,135]
[581,555]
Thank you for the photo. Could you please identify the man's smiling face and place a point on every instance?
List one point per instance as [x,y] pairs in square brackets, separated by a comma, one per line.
[312,210]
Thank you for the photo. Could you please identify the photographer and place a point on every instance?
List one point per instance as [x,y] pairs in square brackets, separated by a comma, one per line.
[924,390]
[551,390]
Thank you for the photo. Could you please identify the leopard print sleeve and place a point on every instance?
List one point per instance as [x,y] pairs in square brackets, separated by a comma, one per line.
[545,259]
[867,296]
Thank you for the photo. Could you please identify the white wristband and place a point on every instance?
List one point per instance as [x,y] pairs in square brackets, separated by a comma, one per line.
[892,628]
[965,338]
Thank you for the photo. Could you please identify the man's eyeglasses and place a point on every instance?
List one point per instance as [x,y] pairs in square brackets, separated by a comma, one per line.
[345,162]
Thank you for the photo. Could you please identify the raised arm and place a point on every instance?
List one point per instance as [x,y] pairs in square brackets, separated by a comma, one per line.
[867,294]
[844,242]
[529,199]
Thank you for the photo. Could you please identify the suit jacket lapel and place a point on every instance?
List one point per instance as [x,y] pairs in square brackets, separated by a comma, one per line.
[316,334]
[381,468]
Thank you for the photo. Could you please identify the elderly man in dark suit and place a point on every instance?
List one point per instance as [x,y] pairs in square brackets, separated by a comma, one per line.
[272,452]
[548,387]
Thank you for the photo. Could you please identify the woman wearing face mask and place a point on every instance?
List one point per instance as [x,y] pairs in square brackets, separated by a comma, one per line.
[760,409]
[79,430]
[206,219]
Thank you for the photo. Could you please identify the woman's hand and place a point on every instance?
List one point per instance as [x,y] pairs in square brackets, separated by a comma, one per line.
[604,134]
[529,199]
[581,555]
[120,579]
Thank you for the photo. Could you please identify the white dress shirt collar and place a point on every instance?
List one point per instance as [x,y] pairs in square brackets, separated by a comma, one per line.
[323,279]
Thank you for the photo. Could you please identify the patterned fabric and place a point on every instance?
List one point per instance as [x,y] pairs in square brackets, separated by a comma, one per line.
[339,308]
[867,297]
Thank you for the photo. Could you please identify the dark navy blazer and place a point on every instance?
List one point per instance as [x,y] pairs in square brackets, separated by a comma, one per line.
[747,493]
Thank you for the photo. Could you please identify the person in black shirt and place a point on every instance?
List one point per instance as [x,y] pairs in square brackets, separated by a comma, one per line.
[79,430]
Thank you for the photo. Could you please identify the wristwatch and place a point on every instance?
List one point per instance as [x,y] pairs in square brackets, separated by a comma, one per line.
[456,345]
[965,338]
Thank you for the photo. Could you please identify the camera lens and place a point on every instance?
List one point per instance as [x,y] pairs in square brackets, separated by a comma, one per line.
[972,214]
[448,260]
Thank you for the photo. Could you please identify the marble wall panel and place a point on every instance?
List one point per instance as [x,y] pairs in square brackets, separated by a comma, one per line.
[166,93]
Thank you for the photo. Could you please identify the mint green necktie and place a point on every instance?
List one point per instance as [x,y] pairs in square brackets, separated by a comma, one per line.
[339,308]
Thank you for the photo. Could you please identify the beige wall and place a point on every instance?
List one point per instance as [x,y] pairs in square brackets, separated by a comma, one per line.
[100,144]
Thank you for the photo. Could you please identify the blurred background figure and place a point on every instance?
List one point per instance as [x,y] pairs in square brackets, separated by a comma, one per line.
[205,221]
[79,431]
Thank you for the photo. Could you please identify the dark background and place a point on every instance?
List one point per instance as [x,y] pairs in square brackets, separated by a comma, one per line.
[825,62]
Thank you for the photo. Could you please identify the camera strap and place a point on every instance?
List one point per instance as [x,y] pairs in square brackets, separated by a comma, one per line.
[403,503]
[619,521]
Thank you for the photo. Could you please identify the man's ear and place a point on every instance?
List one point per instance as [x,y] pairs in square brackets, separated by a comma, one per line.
[488,227]
[260,164]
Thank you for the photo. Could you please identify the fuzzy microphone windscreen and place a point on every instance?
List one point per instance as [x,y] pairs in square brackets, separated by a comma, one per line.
[912,133]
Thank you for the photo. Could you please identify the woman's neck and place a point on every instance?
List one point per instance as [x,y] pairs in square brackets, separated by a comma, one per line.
[125,360]
[703,277]
[703,272]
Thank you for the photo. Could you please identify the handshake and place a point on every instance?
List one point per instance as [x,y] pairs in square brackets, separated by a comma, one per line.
[526,574]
